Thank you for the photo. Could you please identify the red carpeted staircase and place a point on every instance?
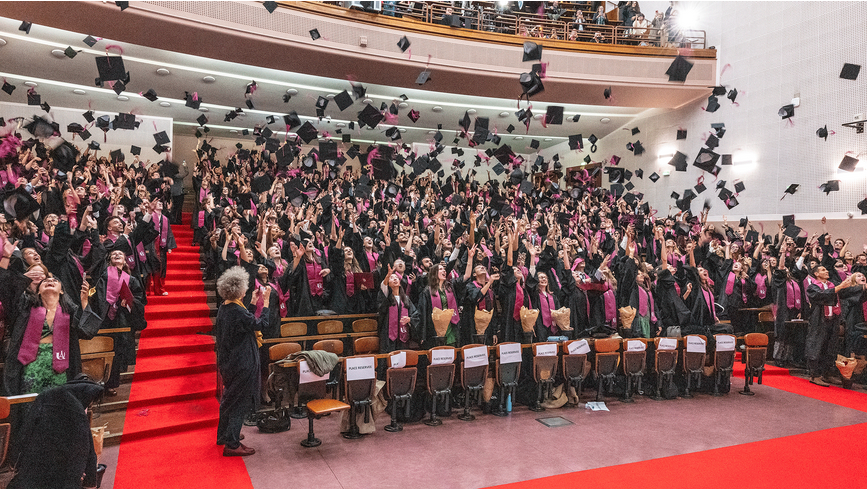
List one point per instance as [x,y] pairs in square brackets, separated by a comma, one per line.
[169,433]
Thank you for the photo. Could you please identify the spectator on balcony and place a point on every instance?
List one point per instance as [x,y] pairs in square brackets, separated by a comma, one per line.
[573,35]
[600,18]
[599,38]
[578,23]
[639,29]
[629,12]
[658,23]
[675,36]
[554,11]
[523,32]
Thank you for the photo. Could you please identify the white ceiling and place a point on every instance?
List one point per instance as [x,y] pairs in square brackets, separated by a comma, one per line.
[29,58]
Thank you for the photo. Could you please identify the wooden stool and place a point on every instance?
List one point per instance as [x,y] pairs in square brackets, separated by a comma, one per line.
[316,409]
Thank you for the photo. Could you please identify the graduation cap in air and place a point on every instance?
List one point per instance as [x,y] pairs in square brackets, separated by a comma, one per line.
[712,141]
[33,98]
[554,115]
[314,34]
[19,204]
[726,160]
[403,44]
[615,175]
[65,156]
[653,177]
[637,148]
[822,132]
[718,90]
[678,161]
[576,142]
[503,154]
[69,52]
[25,27]
[343,100]
[848,164]
[422,77]
[850,71]
[42,128]
[532,51]
[712,103]
[110,68]
[678,69]
[863,206]
[791,189]
[124,121]
[74,128]
[706,160]
[270,6]
[499,169]
[786,111]
[192,100]
[8,87]
[792,231]
[90,41]
[292,120]
[480,130]
[607,93]
[393,133]
[307,132]
[202,120]
[733,94]
[151,95]
[531,83]
[830,186]
[681,134]
[370,116]
[719,129]
[327,150]
[161,138]
[700,187]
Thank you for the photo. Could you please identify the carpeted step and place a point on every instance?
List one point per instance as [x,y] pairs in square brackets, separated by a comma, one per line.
[173,327]
[181,285]
[170,417]
[180,388]
[190,310]
[165,345]
[173,364]
[182,297]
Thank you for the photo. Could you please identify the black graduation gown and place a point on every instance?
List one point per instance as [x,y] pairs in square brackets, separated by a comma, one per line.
[83,325]
[426,332]
[852,300]
[124,343]
[702,318]
[575,298]
[473,300]
[510,328]
[303,303]
[820,327]
[780,278]
[341,303]
[670,308]
[157,259]
[386,344]
[238,355]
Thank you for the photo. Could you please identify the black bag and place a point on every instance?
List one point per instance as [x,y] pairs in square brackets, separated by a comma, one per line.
[276,421]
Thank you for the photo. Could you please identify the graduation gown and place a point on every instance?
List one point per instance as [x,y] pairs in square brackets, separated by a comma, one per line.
[575,298]
[670,308]
[821,325]
[124,343]
[238,356]
[852,302]
[341,302]
[303,302]
[510,328]
[386,343]
[426,332]
[475,300]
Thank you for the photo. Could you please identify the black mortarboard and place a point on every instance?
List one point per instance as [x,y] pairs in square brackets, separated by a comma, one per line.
[786,111]
[20,204]
[830,186]
[202,120]
[822,132]
[422,77]
[307,132]
[292,120]
[733,94]
[678,69]
[732,202]
[135,150]
[270,6]
[159,149]
[90,41]
[534,144]
[788,220]
[712,104]
[653,177]
[123,4]
[151,95]
[739,187]
[681,134]
[607,93]
[712,141]
[792,231]
[504,154]
[791,189]
[85,134]
[554,114]
[706,160]
[110,68]
[162,138]
[630,186]
[499,169]
[637,148]
[639,173]
[346,138]
[267,132]
[576,142]
[532,51]
[270,119]
[33,98]
[118,87]
[124,121]
[403,44]
[45,106]
[42,128]
[93,145]
[678,161]
[592,139]
[863,206]
[343,100]
[510,128]
[615,175]
[69,52]
[65,156]
[116,156]
[848,164]
[699,188]
[74,128]
[726,160]
[850,71]
[25,27]
[8,87]
[314,33]
[370,116]
[88,116]
[192,100]
[587,159]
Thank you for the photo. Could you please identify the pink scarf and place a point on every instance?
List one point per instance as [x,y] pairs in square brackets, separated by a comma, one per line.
[281,299]
[610,306]
[643,299]
[260,302]
[708,299]
[201,219]
[761,286]
[371,260]
[830,311]
[114,282]
[350,284]
[519,302]
[730,286]
[546,305]
[316,286]
[395,329]
[793,295]
[487,301]
[162,226]
[60,342]
[437,301]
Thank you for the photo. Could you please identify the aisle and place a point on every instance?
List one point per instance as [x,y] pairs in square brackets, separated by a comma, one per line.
[169,433]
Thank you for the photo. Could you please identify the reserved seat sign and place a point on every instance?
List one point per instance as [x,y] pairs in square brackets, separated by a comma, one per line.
[360,368]
[694,344]
[476,356]
[305,376]
[725,342]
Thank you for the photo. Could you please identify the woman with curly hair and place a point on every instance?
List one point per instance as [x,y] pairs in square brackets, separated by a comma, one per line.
[235,334]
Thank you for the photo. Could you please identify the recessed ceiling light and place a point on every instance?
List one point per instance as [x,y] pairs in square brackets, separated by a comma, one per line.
[538,117]
[547,139]
[79,91]
[58,53]
[471,111]
[203,109]
[341,124]
[122,98]
[165,104]
[605,120]
[2,42]
[436,108]
[233,131]
[163,71]
[329,96]
[208,79]
[31,84]
[403,105]
[367,101]
[518,138]
[505,113]
[402,130]
[431,132]
[242,114]
[292,91]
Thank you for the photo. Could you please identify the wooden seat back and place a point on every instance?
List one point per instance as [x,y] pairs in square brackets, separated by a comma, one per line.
[282,350]
[365,345]
[333,346]
[364,325]
[293,329]
[330,326]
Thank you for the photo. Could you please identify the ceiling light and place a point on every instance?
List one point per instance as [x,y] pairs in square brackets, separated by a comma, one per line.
[341,124]
[519,138]
[292,91]
[163,71]
[242,114]
[31,84]
[402,130]
[367,101]
[165,104]
[538,117]
[208,79]
[58,53]
[505,113]
[431,132]
[233,131]
[329,96]
[436,108]
[203,109]
[2,42]
[403,105]
[122,98]
[471,111]
[605,120]
[79,91]
[547,139]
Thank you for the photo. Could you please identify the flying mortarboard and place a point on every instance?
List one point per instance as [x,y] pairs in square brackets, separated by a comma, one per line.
[125,121]
[786,111]
[370,116]
[576,142]
[343,100]
[726,160]
[830,186]
[161,138]
[292,120]
[110,68]
[554,114]
[712,141]
[792,231]
[678,161]
[850,71]
[679,69]
[8,87]
[653,177]
[712,104]
[733,94]
[791,189]
[607,93]
[192,100]
[863,206]
[422,77]
[681,134]
[25,27]
[270,6]
[848,164]
[307,132]
[706,160]
[822,132]
[19,204]
[532,51]
[403,44]
[314,33]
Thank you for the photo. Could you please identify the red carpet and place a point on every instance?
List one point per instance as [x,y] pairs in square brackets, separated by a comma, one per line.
[826,456]
[169,433]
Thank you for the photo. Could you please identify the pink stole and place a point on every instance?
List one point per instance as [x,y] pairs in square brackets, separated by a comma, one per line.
[730,286]
[487,299]
[60,342]
[519,302]
[610,306]
[708,299]
[260,302]
[201,219]
[162,226]
[313,279]
[644,297]
[281,299]
[113,283]
[437,301]
[546,304]
[371,260]
[761,286]
[139,248]
[793,295]
[395,329]
[350,284]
